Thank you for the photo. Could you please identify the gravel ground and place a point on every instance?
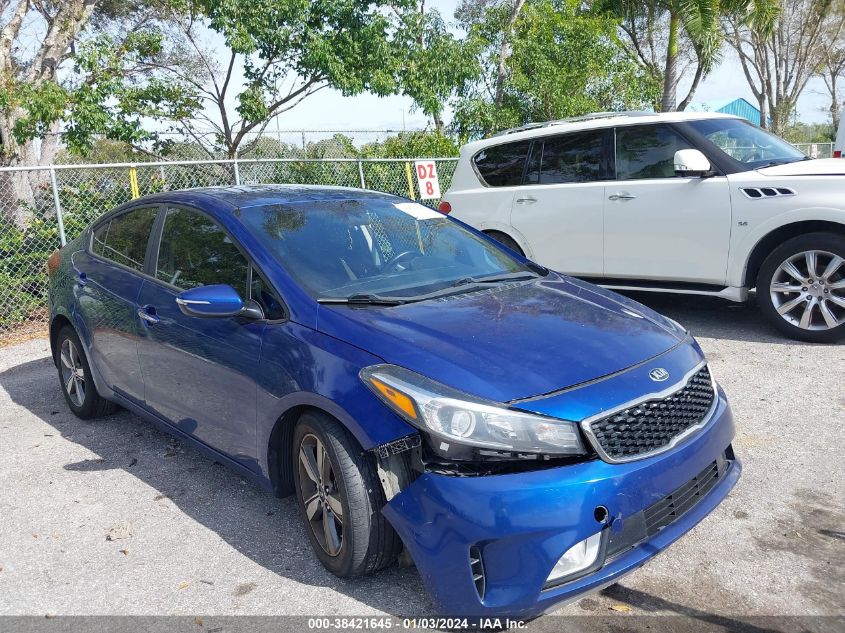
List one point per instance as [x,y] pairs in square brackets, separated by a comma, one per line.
[114,517]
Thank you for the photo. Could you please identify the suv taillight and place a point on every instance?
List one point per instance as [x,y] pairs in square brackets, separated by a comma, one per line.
[837,154]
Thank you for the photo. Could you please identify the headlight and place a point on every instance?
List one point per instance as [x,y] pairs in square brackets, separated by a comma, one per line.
[453,416]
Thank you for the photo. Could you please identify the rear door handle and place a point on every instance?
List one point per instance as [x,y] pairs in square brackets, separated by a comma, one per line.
[148,314]
[621,196]
[526,200]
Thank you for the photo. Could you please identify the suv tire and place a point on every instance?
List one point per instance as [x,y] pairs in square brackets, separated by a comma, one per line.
[505,240]
[801,287]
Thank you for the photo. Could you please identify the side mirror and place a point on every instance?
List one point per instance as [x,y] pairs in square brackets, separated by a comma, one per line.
[691,163]
[218,301]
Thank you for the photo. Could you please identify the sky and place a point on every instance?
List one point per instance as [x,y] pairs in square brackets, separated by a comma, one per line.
[329,110]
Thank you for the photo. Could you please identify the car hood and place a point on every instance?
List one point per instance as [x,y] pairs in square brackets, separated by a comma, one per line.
[509,341]
[816,167]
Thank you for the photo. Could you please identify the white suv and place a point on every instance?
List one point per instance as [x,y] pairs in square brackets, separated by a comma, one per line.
[699,203]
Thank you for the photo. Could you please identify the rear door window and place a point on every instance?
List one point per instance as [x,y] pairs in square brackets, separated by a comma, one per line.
[647,151]
[502,165]
[572,158]
[123,239]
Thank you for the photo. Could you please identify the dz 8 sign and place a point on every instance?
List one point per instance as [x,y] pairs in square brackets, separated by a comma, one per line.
[427,179]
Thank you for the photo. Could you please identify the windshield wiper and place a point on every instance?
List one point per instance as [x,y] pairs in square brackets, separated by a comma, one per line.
[493,279]
[362,300]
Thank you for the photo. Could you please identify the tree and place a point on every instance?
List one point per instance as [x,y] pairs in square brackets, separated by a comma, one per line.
[435,64]
[779,55]
[832,69]
[673,39]
[562,60]
[280,52]
[75,81]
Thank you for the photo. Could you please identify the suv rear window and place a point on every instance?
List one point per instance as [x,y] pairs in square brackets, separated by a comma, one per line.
[123,239]
[502,165]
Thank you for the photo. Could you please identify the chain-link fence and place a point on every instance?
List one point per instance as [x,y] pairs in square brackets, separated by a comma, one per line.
[42,208]
[816,150]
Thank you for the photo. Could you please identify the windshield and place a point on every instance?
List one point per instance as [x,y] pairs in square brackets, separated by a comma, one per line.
[337,249]
[747,143]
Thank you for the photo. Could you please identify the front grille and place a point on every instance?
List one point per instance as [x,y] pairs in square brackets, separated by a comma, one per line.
[651,425]
[645,524]
[675,505]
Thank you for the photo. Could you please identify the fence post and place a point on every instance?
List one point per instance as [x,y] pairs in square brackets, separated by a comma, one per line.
[410,180]
[237,172]
[58,204]
[361,174]
[133,182]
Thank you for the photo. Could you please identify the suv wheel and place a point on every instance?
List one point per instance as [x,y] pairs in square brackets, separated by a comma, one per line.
[801,287]
[340,499]
[75,376]
[505,240]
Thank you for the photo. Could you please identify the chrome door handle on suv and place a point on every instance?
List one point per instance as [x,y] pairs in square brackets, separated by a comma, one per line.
[621,196]
[526,200]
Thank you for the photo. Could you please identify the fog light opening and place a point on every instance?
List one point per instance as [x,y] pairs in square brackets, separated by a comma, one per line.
[582,558]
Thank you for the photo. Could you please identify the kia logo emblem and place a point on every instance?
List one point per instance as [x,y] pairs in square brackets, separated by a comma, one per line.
[658,374]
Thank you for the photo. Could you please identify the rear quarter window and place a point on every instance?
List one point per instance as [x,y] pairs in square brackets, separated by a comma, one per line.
[502,165]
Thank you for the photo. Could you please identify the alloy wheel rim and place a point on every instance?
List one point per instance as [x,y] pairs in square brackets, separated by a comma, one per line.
[808,290]
[320,494]
[73,375]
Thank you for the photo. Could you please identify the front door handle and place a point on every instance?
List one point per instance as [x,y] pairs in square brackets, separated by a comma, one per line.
[148,314]
[526,200]
[621,196]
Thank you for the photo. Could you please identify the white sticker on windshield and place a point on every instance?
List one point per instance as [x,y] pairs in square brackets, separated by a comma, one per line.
[418,211]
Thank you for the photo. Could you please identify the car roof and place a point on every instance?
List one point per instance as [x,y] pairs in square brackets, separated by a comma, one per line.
[244,196]
[599,120]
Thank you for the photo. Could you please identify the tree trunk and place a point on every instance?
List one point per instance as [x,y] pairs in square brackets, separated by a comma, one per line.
[438,124]
[670,75]
[504,52]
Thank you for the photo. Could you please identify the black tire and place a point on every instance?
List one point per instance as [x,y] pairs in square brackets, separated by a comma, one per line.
[505,240]
[367,541]
[92,405]
[829,245]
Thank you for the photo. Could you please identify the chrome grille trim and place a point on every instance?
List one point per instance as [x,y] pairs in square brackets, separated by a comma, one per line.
[659,395]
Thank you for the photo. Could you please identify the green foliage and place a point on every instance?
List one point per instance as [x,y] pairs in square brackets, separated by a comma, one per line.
[102,97]
[564,61]
[341,43]
[24,252]
[412,145]
[434,63]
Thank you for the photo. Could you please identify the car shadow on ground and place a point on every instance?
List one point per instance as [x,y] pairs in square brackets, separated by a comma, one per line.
[712,317]
[255,523]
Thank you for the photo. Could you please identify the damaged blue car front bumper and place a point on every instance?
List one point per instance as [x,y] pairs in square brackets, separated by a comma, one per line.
[511,529]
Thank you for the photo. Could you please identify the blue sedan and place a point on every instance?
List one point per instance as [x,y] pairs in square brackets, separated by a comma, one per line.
[524,436]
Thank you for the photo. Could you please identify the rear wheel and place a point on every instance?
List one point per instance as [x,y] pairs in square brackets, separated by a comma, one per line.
[340,499]
[75,376]
[505,240]
[801,287]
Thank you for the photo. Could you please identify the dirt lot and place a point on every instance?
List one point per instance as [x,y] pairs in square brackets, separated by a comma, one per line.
[115,517]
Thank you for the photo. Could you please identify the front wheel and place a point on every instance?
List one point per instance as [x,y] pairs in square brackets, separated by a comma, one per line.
[340,499]
[801,287]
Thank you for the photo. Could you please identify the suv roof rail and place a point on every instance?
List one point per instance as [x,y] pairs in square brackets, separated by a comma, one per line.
[575,119]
